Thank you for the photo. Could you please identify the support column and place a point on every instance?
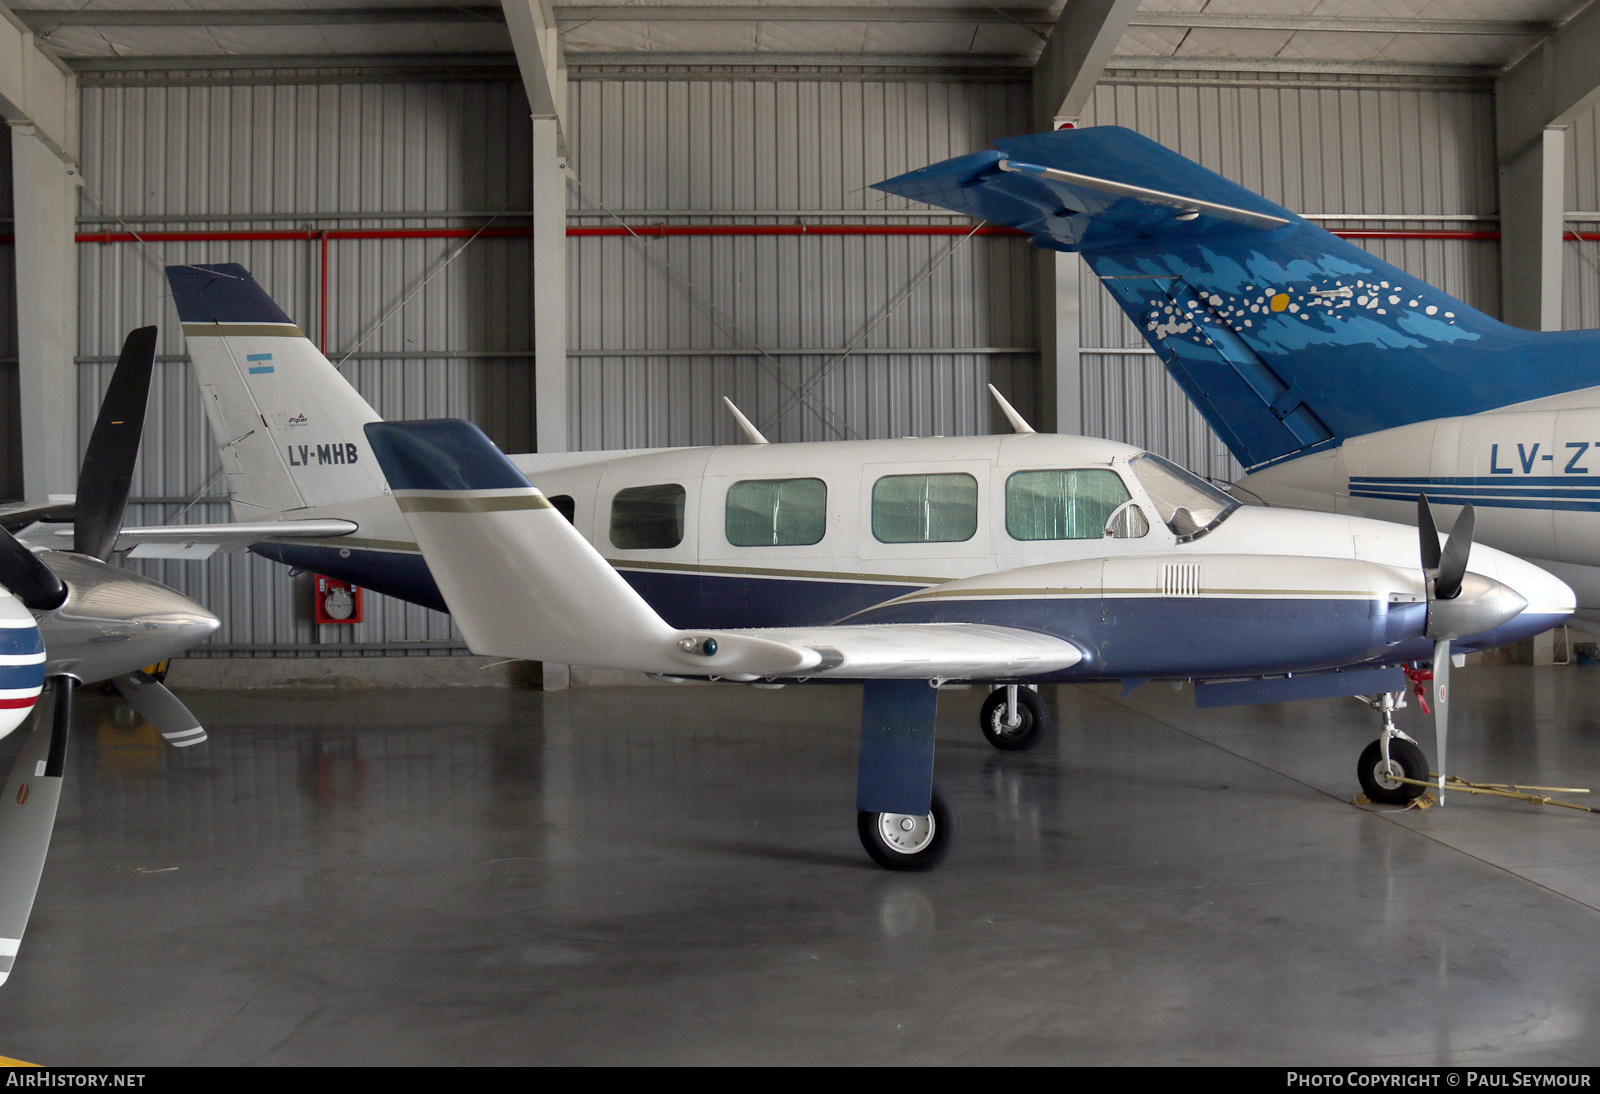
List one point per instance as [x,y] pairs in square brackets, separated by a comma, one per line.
[46,205]
[1533,199]
[1060,406]
[1085,35]
[1535,100]
[549,287]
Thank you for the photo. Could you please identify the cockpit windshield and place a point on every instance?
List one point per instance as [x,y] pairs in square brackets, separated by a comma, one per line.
[1188,504]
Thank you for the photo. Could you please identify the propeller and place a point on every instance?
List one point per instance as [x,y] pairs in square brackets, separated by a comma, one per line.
[107,472]
[1459,603]
[109,603]
[32,792]
[28,578]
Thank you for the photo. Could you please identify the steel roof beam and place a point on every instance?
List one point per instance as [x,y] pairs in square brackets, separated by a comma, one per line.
[1497,28]
[1080,44]
[38,19]
[1535,101]
[1550,86]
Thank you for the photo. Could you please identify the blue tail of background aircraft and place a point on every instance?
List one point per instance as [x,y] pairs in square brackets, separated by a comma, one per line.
[1285,337]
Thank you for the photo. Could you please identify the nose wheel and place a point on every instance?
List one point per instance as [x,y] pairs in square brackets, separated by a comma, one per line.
[1379,776]
[910,841]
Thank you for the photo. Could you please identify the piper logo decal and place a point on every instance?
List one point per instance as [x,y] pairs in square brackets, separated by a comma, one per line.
[22,794]
[322,455]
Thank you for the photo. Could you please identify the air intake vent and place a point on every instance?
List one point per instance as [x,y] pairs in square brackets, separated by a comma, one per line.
[1180,579]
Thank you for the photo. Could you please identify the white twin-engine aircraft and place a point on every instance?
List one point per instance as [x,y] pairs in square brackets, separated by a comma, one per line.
[1337,381]
[1005,560]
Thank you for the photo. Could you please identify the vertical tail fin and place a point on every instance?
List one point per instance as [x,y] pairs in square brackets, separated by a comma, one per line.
[1284,336]
[287,425]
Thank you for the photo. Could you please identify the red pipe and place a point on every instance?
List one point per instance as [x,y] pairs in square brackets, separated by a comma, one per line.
[1414,233]
[322,319]
[663,230]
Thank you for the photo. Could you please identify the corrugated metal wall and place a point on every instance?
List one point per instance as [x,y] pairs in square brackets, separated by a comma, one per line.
[661,327]
[391,156]
[1357,147]
[1580,282]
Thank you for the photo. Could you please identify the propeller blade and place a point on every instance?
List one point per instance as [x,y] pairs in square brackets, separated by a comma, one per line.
[107,473]
[162,709]
[1428,533]
[1441,706]
[28,817]
[27,576]
[1453,563]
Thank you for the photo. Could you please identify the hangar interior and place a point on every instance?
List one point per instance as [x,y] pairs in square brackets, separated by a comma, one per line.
[581,226]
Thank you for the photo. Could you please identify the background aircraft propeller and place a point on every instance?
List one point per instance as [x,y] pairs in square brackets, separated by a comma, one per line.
[146,619]
[107,472]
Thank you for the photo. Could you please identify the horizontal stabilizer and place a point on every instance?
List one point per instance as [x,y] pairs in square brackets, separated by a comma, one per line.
[1284,336]
[166,541]
[1091,188]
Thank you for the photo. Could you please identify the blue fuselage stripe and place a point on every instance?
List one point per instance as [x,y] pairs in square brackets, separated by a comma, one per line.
[1121,636]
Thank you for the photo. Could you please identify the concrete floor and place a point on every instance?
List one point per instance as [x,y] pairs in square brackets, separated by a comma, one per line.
[672,876]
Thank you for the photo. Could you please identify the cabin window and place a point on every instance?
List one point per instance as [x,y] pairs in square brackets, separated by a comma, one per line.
[1188,504]
[564,505]
[1062,504]
[925,508]
[776,512]
[647,517]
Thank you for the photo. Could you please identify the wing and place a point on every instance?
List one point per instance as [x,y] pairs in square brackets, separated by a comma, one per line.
[520,581]
[203,540]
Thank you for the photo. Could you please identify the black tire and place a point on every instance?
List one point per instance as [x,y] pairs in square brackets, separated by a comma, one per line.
[1033,718]
[921,847]
[1374,783]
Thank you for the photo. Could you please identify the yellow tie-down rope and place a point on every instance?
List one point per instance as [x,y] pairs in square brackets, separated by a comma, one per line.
[1498,790]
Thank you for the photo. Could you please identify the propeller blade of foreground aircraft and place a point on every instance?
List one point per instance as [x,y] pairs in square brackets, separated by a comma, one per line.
[107,473]
[28,817]
[162,709]
[28,578]
[1441,705]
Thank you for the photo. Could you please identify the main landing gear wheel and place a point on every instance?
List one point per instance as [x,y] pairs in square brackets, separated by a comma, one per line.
[907,841]
[1032,719]
[1378,782]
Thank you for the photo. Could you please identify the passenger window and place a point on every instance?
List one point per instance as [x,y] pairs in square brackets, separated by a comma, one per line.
[1062,504]
[647,517]
[925,508]
[776,512]
[564,505]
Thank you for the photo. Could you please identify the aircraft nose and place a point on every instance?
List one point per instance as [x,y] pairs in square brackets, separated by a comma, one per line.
[182,620]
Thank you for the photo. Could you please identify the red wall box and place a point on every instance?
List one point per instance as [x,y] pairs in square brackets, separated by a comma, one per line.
[337,601]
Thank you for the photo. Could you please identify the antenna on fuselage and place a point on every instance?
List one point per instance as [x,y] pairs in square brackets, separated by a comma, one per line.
[751,433]
[1019,424]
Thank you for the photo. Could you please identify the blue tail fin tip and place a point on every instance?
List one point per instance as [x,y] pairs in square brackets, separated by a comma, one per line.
[221,293]
[441,454]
